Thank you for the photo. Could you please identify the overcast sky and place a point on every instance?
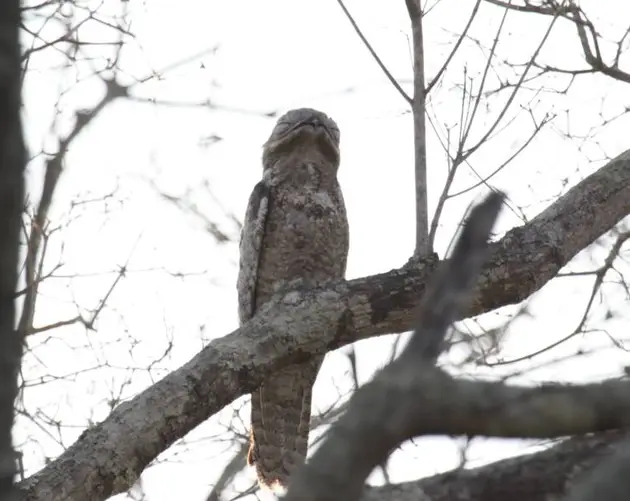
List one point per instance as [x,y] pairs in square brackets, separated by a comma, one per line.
[255,58]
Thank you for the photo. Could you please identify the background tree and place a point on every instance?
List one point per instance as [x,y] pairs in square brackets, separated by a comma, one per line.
[515,96]
[12,161]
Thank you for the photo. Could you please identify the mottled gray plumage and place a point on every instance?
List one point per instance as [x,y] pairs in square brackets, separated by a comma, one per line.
[295,231]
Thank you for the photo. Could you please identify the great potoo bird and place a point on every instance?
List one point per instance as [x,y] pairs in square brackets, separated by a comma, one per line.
[295,232]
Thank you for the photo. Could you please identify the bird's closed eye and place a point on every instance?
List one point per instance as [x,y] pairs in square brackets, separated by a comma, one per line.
[282,127]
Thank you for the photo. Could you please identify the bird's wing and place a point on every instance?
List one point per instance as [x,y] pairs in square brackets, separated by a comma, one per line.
[250,245]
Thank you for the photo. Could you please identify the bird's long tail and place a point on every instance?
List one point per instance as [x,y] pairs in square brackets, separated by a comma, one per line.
[281,414]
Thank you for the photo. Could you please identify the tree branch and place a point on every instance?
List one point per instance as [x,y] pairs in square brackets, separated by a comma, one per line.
[54,169]
[110,456]
[368,46]
[540,476]
[411,397]
[575,14]
[408,399]
[609,481]
[418,108]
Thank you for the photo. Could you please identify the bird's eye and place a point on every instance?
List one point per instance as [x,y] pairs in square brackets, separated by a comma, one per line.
[282,127]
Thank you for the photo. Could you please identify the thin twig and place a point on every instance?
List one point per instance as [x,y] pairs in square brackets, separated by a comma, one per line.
[441,71]
[374,54]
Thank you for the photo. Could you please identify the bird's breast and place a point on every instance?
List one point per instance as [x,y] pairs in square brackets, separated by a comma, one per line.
[308,217]
[306,236]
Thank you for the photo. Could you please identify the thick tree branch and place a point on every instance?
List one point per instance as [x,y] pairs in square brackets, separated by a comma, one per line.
[408,400]
[609,481]
[110,456]
[540,476]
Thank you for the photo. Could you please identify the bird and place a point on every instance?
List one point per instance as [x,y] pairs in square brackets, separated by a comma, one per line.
[295,231]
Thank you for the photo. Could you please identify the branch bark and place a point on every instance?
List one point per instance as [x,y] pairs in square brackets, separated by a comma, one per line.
[408,400]
[610,480]
[109,457]
[539,476]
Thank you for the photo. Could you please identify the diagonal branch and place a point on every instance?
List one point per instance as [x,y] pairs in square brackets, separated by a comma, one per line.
[460,39]
[110,456]
[378,60]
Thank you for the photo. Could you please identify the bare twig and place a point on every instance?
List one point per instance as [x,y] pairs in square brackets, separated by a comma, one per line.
[599,280]
[484,180]
[54,167]
[380,63]
[464,153]
[465,132]
[461,38]
[468,152]
[585,30]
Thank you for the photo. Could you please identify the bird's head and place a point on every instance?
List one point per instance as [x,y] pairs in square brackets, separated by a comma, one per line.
[303,131]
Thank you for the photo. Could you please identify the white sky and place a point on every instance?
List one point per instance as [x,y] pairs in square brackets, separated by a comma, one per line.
[276,55]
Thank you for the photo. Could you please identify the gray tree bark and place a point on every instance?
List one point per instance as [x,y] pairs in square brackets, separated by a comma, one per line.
[540,476]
